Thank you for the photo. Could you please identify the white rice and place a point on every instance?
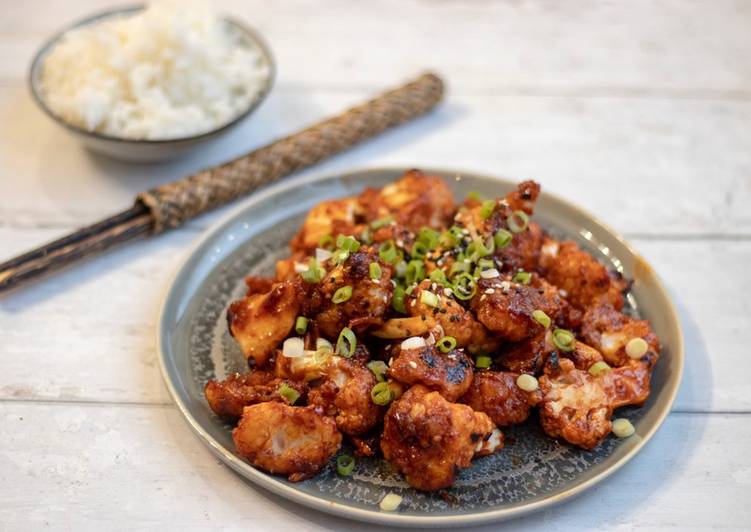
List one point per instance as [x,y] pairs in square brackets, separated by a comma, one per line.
[172,70]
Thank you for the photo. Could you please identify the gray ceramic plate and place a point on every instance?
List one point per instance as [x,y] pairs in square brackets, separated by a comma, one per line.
[532,472]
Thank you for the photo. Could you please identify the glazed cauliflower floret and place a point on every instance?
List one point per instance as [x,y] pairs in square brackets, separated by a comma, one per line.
[429,439]
[369,301]
[345,396]
[530,355]
[577,406]
[287,440]
[506,308]
[260,322]
[450,374]
[610,331]
[331,217]
[497,394]
[227,398]
[582,278]
[453,319]
[414,201]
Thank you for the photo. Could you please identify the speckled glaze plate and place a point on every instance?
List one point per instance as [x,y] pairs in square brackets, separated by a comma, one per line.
[532,472]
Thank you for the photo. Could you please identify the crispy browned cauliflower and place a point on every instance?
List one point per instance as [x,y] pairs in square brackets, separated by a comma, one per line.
[450,374]
[505,307]
[286,440]
[261,322]
[577,406]
[413,201]
[369,299]
[345,396]
[497,394]
[227,398]
[410,274]
[583,280]
[429,439]
[609,331]
[328,218]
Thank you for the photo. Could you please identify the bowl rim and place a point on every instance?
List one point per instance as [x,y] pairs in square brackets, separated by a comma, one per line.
[40,56]
[275,485]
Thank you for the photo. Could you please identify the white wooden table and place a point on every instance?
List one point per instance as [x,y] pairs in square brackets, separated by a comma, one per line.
[638,111]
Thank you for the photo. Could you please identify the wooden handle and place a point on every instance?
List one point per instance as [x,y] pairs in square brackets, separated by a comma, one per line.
[170,205]
[173,204]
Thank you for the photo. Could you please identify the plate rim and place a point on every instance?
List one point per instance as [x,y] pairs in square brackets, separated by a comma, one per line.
[273,484]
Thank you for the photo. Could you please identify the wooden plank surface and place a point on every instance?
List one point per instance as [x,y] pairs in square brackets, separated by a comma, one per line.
[651,148]
[639,111]
[107,462]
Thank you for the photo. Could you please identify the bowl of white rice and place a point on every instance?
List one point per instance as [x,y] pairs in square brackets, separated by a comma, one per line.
[149,83]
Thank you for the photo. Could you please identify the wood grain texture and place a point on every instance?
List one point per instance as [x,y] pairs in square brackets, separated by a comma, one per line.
[576,147]
[637,111]
[645,46]
[108,462]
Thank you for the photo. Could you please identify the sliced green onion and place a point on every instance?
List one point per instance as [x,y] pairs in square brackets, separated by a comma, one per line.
[290,394]
[458,267]
[342,294]
[345,464]
[465,286]
[518,221]
[564,340]
[401,269]
[347,343]
[437,276]
[381,394]
[457,231]
[419,250]
[410,289]
[314,273]
[527,382]
[379,369]
[377,224]
[599,368]
[349,243]
[366,237]
[541,318]
[397,300]
[429,237]
[429,298]
[485,264]
[448,239]
[623,428]
[483,362]
[502,238]
[477,250]
[326,242]
[301,325]
[487,209]
[473,195]
[637,348]
[339,256]
[388,252]
[521,277]
[446,344]
[415,271]
[375,271]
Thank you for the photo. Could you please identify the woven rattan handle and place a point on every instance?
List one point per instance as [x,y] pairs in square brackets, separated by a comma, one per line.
[175,203]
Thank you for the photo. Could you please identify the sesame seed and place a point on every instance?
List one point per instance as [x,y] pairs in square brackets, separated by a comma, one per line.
[490,291]
[413,364]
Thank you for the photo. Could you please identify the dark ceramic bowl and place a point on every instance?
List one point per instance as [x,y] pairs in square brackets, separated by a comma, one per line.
[143,150]
[531,473]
